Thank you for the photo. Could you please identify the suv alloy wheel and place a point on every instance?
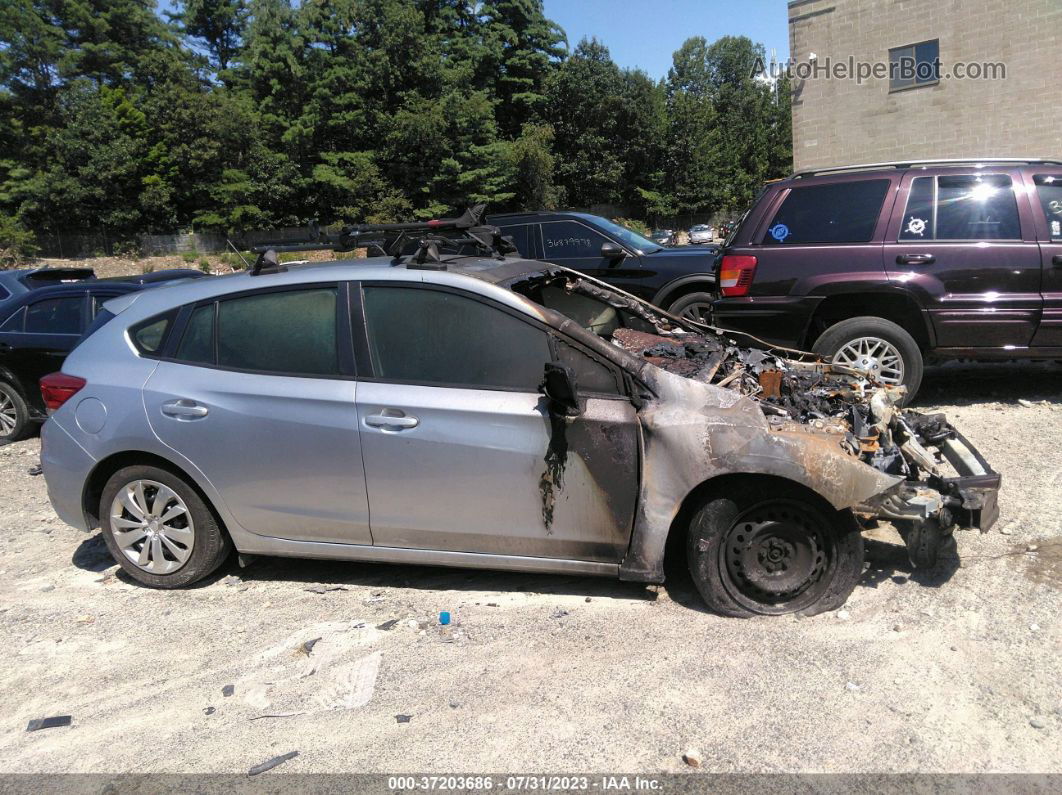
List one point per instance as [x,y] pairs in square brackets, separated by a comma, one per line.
[877,345]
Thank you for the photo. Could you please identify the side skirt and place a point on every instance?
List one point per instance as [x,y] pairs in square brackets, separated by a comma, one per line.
[284,548]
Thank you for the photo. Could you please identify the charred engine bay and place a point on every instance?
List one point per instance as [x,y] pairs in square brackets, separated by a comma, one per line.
[813,395]
[859,412]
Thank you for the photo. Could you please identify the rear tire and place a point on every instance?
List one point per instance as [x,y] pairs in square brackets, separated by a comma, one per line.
[773,550]
[145,506]
[694,306]
[848,336]
[15,421]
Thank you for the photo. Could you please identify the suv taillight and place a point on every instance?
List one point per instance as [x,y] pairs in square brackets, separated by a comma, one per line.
[58,388]
[735,274]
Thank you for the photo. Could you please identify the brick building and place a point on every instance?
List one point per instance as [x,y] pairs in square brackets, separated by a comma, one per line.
[939,79]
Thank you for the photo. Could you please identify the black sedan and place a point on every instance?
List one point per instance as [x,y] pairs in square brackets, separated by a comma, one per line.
[680,280]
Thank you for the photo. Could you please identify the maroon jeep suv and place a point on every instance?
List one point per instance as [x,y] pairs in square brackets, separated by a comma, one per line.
[883,265]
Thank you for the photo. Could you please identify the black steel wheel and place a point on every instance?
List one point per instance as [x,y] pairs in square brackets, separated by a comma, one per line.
[788,553]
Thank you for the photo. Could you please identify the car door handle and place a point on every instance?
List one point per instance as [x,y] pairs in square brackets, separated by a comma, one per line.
[915,259]
[391,420]
[184,410]
[1055,260]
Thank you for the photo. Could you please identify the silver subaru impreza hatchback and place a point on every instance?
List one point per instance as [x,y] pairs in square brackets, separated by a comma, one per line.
[488,412]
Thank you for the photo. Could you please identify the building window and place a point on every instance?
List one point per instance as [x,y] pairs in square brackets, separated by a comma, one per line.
[914,65]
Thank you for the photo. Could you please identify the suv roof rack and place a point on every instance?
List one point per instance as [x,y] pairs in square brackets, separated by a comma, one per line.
[1023,161]
[467,229]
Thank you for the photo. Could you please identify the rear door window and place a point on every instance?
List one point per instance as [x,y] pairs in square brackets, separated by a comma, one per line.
[197,342]
[844,212]
[290,333]
[961,207]
[1049,192]
[55,316]
[442,338]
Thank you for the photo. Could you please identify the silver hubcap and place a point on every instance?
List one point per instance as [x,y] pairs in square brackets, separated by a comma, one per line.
[8,415]
[698,312]
[875,355]
[152,526]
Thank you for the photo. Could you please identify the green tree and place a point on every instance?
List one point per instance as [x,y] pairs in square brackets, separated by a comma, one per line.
[584,107]
[218,24]
[523,45]
[692,149]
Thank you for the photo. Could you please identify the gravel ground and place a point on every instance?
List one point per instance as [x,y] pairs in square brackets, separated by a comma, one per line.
[954,669]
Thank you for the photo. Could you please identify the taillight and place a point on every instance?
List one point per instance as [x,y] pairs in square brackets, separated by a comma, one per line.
[58,388]
[735,274]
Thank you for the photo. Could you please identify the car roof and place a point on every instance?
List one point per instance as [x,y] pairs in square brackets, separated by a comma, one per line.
[454,270]
[893,166]
[540,215]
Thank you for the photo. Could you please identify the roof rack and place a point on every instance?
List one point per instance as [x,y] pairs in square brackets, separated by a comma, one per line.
[1022,161]
[392,239]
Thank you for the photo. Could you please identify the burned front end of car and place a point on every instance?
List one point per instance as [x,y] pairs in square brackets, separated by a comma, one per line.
[756,409]
[943,484]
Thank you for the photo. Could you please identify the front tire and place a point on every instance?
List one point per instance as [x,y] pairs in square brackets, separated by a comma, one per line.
[15,421]
[694,306]
[772,551]
[886,349]
[158,528]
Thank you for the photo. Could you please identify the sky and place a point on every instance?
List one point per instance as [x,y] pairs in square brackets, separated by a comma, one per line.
[644,33]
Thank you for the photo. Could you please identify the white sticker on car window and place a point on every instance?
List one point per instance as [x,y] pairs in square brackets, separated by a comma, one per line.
[916,226]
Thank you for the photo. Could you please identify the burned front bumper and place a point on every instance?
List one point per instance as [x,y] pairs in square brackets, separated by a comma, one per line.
[928,510]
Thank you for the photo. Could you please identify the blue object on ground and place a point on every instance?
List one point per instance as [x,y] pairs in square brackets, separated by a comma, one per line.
[444,618]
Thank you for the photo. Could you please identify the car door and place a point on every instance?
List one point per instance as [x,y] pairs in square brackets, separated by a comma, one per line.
[1047,184]
[461,450]
[965,242]
[257,392]
[37,343]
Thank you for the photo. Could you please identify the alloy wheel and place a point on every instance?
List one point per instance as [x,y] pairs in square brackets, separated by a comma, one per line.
[152,526]
[877,356]
[698,312]
[8,415]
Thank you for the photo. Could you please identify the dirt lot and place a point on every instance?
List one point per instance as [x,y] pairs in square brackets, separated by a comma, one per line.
[950,670]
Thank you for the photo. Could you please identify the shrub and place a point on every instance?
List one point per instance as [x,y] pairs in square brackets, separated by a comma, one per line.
[127,249]
[17,244]
[204,265]
[190,256]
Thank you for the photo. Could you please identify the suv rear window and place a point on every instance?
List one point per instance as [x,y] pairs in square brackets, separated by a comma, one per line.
[843,212]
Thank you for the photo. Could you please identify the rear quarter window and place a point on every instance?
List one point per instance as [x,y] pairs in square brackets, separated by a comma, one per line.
[149,335]
[843,212]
